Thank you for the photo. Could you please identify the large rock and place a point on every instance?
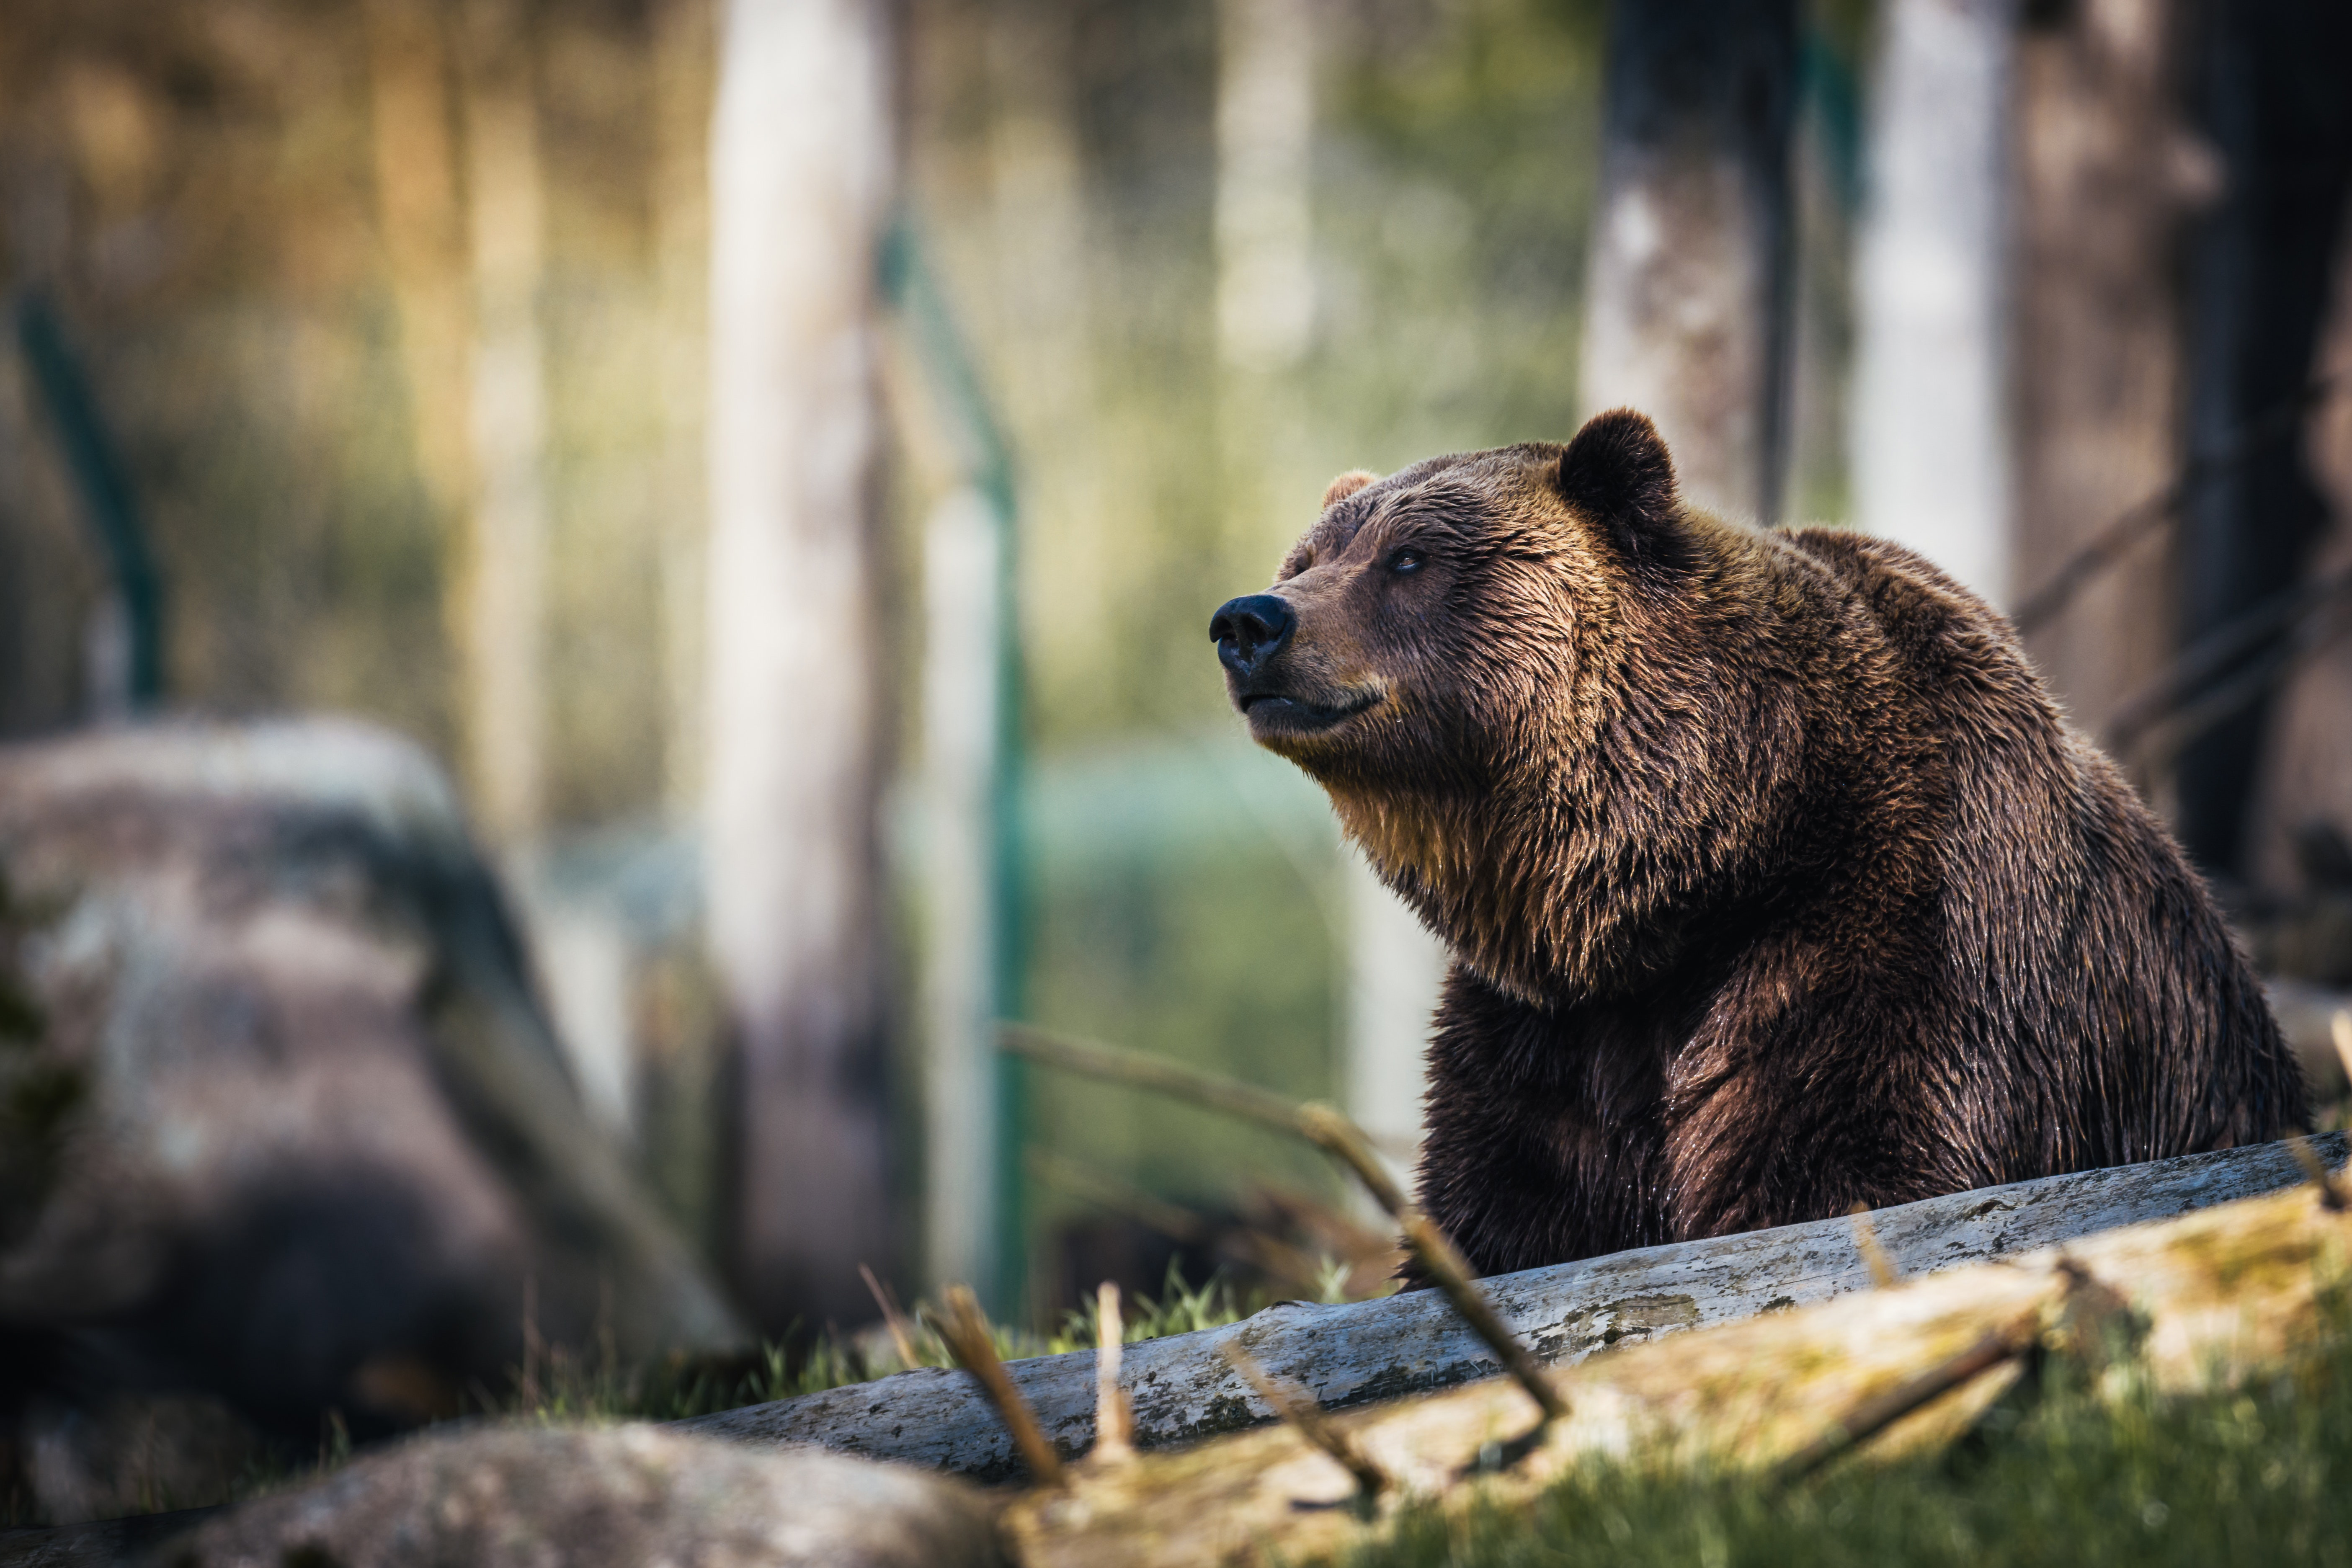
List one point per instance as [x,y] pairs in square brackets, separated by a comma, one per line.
[625,1496]
[281,1118]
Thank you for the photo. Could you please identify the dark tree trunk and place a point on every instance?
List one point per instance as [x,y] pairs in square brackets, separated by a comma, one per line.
[2273,99]
[2106,178]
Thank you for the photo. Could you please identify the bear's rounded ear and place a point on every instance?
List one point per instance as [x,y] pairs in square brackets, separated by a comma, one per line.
[1346,485]
[1618,474]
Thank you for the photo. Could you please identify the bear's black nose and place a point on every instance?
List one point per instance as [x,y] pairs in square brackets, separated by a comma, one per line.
[1250,630]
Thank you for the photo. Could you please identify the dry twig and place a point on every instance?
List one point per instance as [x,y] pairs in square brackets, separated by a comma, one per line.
[1329,1129]
[2075,1324]
[2108,545]
[1875,1414]
[1254,1248]
[1300,1408]
[2331,1190]
[1866,1241]
[1114,1422]
[965,1328]
[902,1337]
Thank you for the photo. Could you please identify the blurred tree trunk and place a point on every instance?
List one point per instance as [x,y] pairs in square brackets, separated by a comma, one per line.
[2304,796]
[502,572]
[2273,99]
[1267,52]
[1266,124]
[1265,302]
[1930,457]
[1041,341]
[1825,180]
[801,179]
[964,1211]
[422,228]
[423,235]
[1687,312]
[475,368]
[685,48]
[1395,968]
[2106,176]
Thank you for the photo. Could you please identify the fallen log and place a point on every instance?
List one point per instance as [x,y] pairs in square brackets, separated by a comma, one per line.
[2222,1294]
[1183,1388]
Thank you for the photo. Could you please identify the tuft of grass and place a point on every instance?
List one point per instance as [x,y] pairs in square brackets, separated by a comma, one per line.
[1179,1309]
[2079,1474]
[568,1389]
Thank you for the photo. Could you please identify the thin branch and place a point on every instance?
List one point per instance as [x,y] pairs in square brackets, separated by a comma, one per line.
[1875,1414]
[1298,1407]
[902,1337]
[1436,1254]
[1245,1244]
[2331,1190]
[1866,1241]
[1114,1419]
[2160,742]
[2275,422]
[2126,530]
[2213,653]
[1329,1129]
[965,1328]
[1156,1073]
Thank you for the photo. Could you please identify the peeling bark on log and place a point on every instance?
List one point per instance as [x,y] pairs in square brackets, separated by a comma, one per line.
[1182,1388]
[2227,1292]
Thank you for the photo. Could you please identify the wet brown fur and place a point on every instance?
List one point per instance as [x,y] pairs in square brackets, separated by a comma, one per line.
[1774,880]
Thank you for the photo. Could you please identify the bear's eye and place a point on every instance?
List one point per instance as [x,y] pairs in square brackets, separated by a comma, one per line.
[1406,560]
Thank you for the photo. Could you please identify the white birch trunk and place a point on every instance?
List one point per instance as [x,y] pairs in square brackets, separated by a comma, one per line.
[800,159]
[1930,450]
[961,569]
[418,221]
[1395,968]
[1265,278]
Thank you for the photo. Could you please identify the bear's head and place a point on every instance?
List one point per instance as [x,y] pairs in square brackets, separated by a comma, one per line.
[1490,662]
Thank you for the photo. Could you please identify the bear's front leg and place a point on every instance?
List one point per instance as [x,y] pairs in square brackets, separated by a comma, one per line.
[1544,1127]
[1806,1111]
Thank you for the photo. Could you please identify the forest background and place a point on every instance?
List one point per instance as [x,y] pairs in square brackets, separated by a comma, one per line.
[401,316]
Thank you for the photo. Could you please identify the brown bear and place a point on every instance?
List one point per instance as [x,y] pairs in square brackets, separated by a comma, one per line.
[1774,881]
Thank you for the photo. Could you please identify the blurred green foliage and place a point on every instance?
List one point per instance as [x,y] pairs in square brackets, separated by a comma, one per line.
[1196,923]
[1065,159]
[211,224]
[1453,211]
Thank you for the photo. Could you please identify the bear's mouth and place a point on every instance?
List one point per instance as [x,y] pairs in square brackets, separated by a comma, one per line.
[1288,713]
